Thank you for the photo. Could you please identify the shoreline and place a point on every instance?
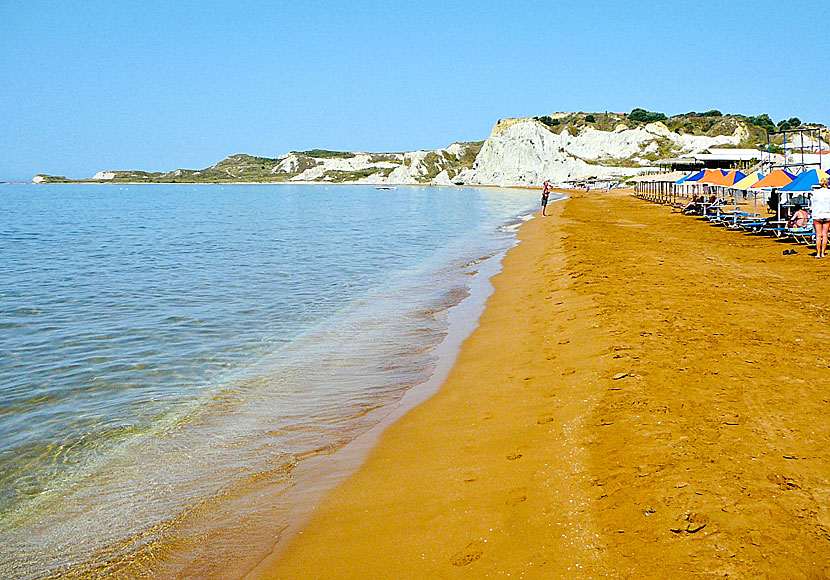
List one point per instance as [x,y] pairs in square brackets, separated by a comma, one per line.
[322,474]
[591,427]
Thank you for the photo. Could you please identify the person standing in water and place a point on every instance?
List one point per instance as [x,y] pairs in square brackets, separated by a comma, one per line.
[545,194]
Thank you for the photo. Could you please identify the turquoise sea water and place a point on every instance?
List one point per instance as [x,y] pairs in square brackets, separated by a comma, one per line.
[170,354]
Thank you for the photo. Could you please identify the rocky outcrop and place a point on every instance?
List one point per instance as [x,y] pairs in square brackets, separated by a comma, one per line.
[524,152]
[519,152]
[413,167]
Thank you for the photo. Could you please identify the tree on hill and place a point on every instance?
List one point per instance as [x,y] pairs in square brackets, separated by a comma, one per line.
[590,119]
[644,116]
[764,121]
[550,122]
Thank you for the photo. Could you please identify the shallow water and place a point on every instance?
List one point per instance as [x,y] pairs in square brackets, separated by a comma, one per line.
[170,354]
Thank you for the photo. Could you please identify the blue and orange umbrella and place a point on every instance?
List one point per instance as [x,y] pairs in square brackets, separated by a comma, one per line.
[805,181]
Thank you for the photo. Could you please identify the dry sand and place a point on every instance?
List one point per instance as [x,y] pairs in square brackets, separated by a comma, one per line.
[646,396]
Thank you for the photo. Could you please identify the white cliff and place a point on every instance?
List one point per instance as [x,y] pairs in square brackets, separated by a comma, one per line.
[524,152]
[413,167]
[519,152]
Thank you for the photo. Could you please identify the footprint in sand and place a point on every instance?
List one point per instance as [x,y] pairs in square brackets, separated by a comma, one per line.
[471,552]
[516,496]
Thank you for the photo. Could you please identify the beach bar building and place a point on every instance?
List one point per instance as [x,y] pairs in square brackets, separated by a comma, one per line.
[714,158]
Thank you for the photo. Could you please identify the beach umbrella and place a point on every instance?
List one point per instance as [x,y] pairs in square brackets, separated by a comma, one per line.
[712,176]
[702,177]
[733,177]
[696,176]
[726,180]
[805,181]
[684,179]
[749,180]
[776,179]
[746,183]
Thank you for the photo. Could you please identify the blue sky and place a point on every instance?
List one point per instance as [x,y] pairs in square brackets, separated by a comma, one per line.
[88,86]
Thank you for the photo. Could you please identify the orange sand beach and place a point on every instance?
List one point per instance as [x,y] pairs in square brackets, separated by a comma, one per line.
[645,395]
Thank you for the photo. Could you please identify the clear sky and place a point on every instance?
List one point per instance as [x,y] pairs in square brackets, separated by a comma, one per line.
[159,85]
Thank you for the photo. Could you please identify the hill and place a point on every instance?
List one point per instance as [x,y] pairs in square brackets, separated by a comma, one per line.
[519,152]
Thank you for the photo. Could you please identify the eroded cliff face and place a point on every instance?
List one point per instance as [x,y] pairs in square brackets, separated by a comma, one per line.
[413,167]
[519,152]
[526,153]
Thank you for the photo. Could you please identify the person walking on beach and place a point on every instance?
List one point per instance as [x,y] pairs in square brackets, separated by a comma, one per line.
[821,215]
[545,194]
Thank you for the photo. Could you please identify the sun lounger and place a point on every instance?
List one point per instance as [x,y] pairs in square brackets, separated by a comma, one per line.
[803,234]
[747,224]
[727,218]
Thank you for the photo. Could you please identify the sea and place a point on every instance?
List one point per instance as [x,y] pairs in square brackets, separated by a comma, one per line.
[183,367]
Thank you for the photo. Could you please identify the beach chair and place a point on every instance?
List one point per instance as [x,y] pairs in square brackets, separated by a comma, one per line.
[804,234]
[729,218]
[747,224]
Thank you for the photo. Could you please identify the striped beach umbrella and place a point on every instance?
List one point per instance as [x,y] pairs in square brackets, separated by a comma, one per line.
[685,178]
[749,180]
[805,181]
[727,179]
[698,176]
[776,179]
[712,176]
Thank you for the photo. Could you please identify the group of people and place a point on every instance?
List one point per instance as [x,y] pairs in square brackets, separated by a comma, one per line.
[696,205]
[799,218]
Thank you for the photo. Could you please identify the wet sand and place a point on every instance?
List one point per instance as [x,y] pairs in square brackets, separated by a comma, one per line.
[646,395]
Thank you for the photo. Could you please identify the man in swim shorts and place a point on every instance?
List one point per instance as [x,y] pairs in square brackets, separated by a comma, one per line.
[545,194]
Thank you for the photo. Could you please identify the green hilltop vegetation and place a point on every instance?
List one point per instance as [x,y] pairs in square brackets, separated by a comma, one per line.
[710,123]
[248,168]
[753,129]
